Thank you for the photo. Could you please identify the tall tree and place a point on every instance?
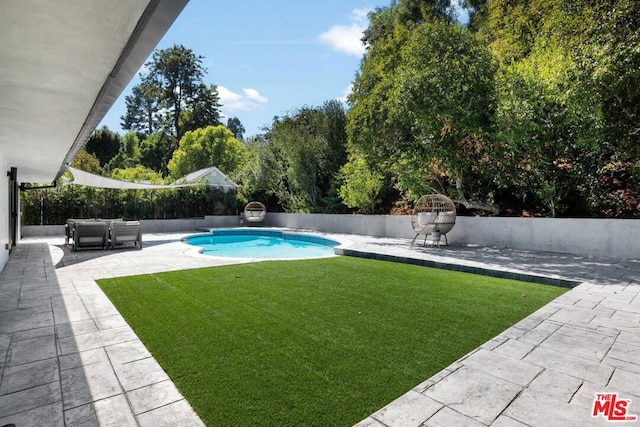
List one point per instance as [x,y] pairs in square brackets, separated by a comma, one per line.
[143,109]
[298,159]
[129,154]
[201,110]
[210,146]
[177,72]
[422,106]
[312,146]
[568,115]
[172,96]
[104,144]
[236,127]
[156,151]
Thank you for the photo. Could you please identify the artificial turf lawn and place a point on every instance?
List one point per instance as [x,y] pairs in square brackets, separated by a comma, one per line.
[316,342]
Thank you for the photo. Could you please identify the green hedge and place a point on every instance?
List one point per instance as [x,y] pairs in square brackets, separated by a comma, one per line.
[51,206]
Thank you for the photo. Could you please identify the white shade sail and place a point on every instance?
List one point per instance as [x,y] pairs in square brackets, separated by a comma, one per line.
[81,177]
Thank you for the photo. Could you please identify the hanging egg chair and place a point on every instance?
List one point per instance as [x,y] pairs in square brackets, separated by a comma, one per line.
[255,212]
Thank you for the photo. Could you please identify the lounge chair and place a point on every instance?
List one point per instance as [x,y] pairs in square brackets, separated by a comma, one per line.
[255,212]
[89,233]
[121,232]
[434,215]
[70,225]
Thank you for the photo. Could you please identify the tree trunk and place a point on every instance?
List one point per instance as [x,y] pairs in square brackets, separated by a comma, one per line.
[495,210]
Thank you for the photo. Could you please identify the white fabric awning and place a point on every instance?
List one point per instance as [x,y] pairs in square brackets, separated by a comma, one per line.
[81,177]
[211,177]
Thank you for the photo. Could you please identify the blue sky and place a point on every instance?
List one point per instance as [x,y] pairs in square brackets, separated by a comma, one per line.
[269,58]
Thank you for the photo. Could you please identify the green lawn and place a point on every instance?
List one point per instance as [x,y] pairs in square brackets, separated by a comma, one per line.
[321,342]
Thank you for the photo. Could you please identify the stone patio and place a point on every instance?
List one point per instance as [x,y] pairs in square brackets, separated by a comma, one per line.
[71,359]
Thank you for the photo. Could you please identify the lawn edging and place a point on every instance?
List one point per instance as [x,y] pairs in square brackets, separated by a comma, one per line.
[501,274]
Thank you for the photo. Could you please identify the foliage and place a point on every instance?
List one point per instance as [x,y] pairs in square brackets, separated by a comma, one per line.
[567,119]
[537,99]
[86,161]
[328,338]
[236,128]
[361,185]
[156,150]
[143,109]
[384,21]
[128,154]
[104,144]
[262,175]
[138,174]
[298,159]
[172,97]
[202,109]
[425,95]
[55,205]
[205,147]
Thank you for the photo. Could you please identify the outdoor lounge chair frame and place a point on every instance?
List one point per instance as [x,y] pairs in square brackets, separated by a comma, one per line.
[122,232]
[89,233]
[255,212]
[433,213]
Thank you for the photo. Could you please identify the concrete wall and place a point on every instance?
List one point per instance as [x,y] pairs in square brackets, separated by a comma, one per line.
[187,225]
[5,207]
[611,238]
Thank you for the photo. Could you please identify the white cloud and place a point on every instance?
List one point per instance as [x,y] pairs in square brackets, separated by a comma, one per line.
[249,100]
[253,95]
[346,93]
[347,38]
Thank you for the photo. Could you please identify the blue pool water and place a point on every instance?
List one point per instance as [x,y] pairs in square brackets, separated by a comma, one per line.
[266,244]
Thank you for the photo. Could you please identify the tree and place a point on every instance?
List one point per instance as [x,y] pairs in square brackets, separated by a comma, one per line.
[361,185]
[205,147]
[235,126]
[156,151]
[138,173]
[202,110]
[128,155]
[86,161]
[384,21]
[311,144]
[172,96]
[569,102]
[298,158]
[422,106]
[104,144]
[143,108]
[263,174]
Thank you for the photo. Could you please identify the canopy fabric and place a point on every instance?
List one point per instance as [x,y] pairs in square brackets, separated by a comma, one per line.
[211,176]
[81,177]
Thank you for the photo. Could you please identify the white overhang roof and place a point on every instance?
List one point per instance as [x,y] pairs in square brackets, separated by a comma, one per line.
[62,66]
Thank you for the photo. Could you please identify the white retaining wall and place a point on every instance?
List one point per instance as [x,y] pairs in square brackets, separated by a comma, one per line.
[5,211]
[187,225]
[610,238]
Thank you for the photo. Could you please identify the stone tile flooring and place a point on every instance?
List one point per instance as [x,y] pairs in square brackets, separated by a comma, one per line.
[71,359]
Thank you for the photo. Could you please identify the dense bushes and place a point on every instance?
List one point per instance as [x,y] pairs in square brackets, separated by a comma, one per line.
[54,205]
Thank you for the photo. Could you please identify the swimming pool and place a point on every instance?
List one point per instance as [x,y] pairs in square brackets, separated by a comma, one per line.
[260,243]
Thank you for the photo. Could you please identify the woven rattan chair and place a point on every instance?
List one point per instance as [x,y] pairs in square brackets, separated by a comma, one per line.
[255,212]
[433,213]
